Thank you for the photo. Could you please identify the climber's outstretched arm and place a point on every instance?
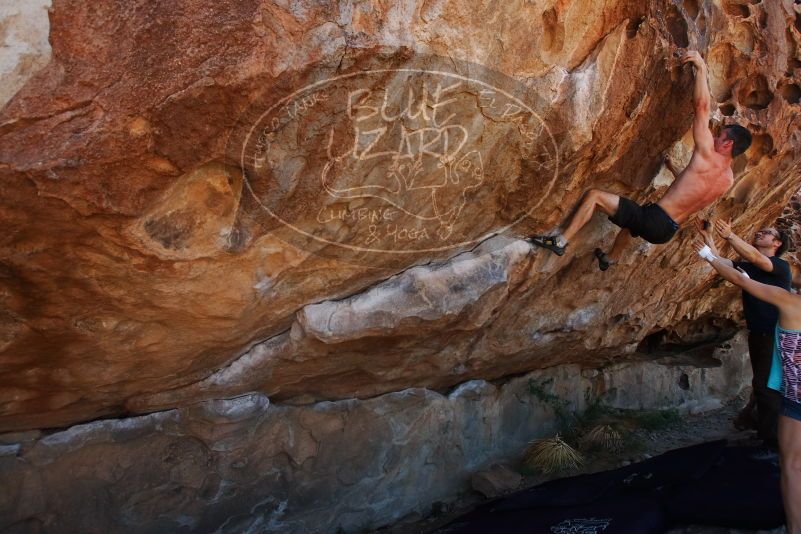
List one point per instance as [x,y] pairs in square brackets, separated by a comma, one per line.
[702,102]
[779,297]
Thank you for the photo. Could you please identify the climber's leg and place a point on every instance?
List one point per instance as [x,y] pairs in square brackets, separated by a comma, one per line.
[593,199]
[622,240]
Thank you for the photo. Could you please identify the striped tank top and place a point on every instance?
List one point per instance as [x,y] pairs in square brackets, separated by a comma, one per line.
[787,354]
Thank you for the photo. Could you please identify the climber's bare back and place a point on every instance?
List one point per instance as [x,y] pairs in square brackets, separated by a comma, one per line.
[709,173]
[706,178]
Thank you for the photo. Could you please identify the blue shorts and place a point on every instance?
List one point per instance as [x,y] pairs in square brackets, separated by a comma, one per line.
[791,409]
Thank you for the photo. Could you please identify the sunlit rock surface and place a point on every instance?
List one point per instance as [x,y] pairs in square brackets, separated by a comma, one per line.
[24,28]
[156,251]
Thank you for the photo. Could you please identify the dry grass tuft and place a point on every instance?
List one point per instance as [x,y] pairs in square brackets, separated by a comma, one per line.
[550,455]
[606,437]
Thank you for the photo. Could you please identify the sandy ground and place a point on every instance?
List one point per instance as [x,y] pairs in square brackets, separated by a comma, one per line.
[690,430]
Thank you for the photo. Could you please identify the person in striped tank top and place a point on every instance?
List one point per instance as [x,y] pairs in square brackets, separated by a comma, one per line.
[785,377]
[787,358]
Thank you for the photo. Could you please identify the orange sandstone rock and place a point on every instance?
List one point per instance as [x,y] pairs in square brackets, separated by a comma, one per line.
[164,242]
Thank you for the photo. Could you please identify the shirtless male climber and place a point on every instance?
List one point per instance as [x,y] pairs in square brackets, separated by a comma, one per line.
[703,181]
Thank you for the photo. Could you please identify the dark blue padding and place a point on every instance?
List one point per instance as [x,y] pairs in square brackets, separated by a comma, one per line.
[642,515]
[740,491]
[707,484]
[626,500]
[670,468]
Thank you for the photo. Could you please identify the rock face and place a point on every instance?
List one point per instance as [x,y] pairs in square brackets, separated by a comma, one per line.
[261,266]
[202,199]
[246,465]
[25,50]
[790,222]
[496,481]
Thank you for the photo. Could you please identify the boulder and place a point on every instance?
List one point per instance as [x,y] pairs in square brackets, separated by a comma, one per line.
[495,481]
[326,201]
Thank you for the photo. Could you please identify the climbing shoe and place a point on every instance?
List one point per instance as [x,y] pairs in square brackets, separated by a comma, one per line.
[549,242]
[603,260]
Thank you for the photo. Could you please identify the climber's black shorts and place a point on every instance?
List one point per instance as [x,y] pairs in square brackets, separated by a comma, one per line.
[649,222]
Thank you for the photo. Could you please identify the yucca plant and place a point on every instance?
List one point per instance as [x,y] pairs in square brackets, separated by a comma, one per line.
[605,436]
[550,455]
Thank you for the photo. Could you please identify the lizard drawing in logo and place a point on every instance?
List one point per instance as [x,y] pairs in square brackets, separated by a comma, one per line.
[426,172]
